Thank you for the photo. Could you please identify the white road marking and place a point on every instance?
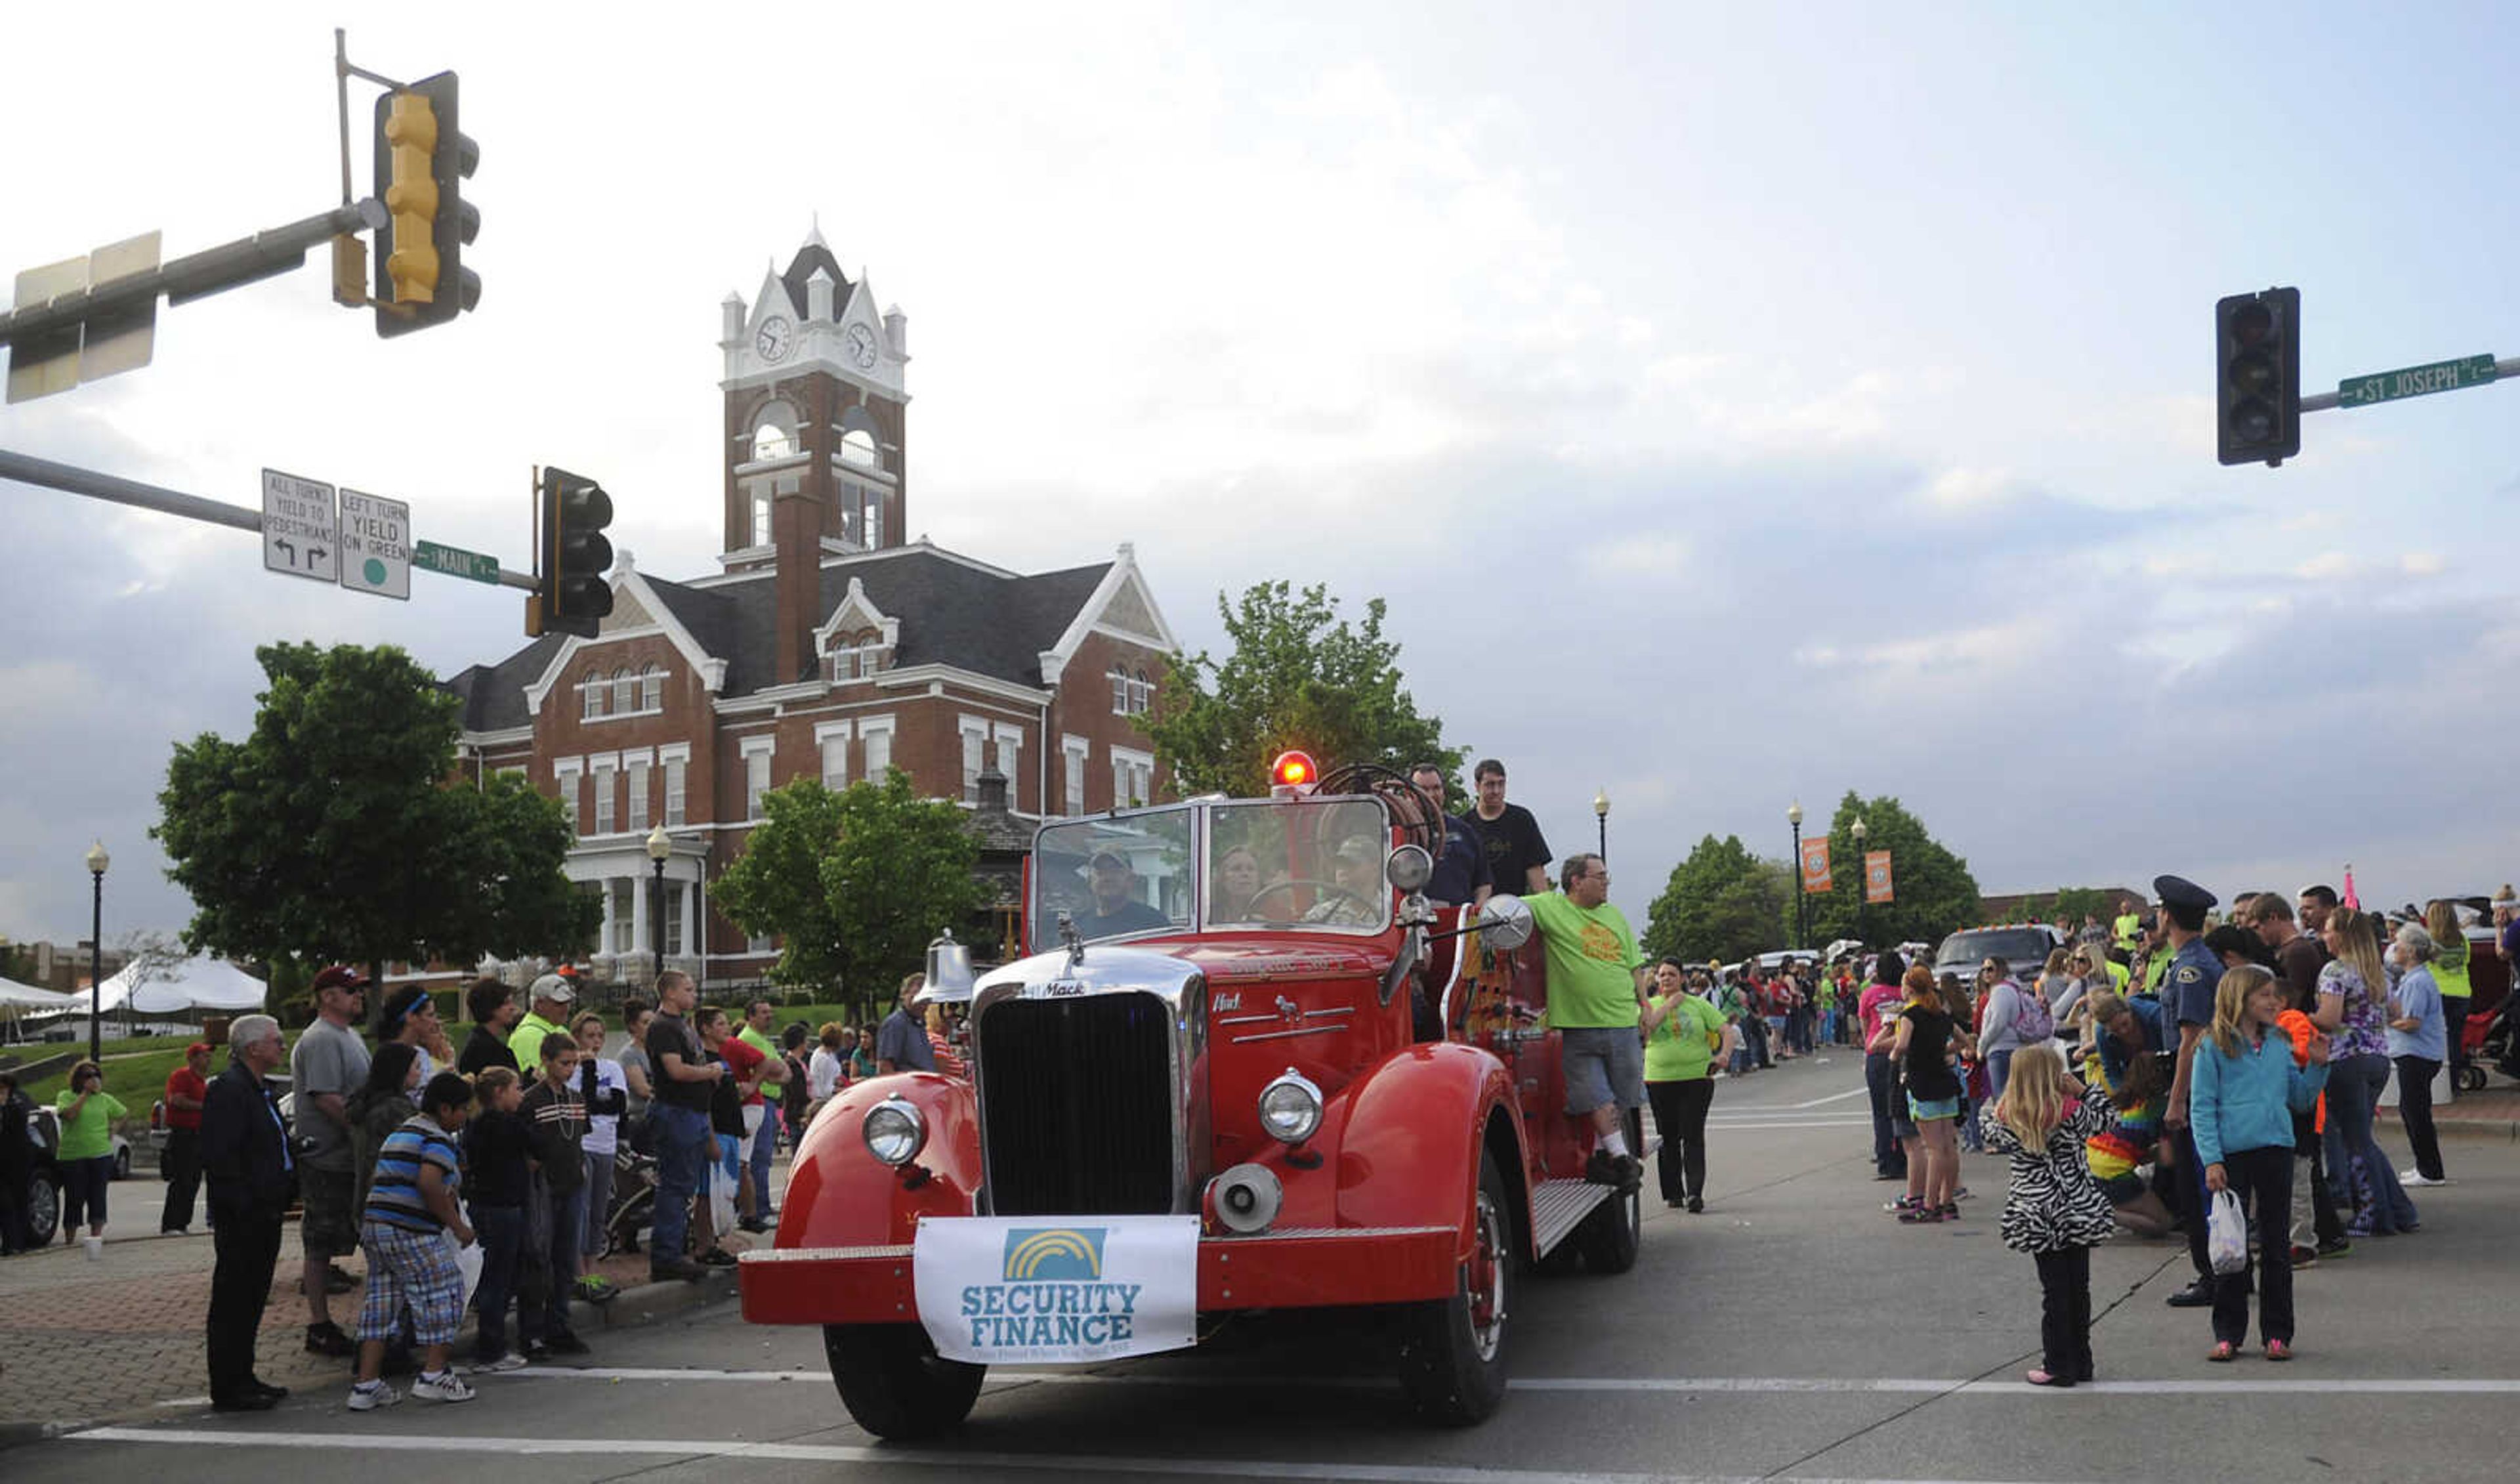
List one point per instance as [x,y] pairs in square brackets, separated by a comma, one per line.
[357,1439]
[1713,1124]
[1735,1384]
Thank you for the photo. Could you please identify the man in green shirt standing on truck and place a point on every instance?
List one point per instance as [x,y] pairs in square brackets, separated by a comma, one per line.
[1596,994]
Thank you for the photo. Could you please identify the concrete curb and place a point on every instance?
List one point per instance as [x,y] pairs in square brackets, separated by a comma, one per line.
[19,1434]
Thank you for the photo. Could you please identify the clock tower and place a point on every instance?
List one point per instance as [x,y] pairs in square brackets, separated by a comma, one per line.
[814,416]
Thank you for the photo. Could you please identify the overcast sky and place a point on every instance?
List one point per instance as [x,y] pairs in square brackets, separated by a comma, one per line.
[1733,403]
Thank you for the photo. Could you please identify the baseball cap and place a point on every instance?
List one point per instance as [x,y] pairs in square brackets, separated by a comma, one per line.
[1109,857]
[340,976]
[198,1048]
[553,988]
[1357,847]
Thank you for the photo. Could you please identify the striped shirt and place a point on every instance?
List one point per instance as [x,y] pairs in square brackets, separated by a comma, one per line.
[395,1201]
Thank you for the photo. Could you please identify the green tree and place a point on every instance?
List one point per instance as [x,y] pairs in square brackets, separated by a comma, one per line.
[341,828]
[1934,892]
[1299,676]
[855,884]
[1721,902]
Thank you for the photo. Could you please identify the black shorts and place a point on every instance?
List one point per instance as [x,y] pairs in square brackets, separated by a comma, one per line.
[328,1227]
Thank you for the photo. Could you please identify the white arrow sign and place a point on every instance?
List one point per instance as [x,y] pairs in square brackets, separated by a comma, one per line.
[376,544]
[299,536]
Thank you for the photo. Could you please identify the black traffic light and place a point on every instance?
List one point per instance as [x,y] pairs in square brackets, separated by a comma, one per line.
[422,160]
[2257,376]
[571,595]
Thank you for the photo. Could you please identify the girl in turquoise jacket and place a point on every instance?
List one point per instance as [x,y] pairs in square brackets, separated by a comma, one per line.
[2244,1087]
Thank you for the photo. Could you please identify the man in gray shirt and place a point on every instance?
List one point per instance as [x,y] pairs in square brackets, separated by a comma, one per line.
[328,1064]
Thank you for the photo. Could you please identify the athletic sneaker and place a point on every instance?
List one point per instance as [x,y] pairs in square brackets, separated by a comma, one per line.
[510,1361]
[2418,1179]
[367,1395]
[445,1386]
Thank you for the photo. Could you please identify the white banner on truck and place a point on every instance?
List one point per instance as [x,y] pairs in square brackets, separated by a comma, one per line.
[997,1289]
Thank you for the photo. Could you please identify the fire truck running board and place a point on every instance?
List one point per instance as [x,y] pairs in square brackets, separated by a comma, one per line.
[1559,1207]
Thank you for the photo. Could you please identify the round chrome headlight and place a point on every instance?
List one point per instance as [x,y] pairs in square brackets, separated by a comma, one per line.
[1290,1107]
[894,1132]
[1409,868]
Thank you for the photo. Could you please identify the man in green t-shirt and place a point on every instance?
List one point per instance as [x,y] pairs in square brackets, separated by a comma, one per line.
[552,995]
[761,1113]
[1596,993]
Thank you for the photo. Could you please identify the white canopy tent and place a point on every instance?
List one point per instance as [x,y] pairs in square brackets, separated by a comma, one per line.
[194,984]
[28,997]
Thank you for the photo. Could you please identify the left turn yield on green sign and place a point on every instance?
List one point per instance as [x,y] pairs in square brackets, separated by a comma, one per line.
[376,544]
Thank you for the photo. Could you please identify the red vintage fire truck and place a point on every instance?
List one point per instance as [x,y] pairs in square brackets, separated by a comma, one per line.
[1203,1096]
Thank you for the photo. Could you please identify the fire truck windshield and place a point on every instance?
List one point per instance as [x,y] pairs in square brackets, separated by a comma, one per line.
[1289,865]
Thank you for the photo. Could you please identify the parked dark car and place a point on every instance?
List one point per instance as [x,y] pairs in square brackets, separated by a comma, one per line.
[43,1175]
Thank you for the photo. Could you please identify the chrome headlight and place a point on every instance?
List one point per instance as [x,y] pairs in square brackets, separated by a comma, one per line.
[894,1132]
[1409,868]
[1290,1107]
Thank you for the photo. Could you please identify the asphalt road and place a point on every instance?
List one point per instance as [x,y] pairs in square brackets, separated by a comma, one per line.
[1791,1331]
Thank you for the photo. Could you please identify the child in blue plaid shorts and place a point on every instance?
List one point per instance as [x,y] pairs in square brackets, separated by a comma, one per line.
[410,1231]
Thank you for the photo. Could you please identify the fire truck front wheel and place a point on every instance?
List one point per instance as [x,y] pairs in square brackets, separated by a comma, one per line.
[894,1383]
[1452,1362]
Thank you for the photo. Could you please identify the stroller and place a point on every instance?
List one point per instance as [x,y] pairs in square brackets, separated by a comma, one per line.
[634,1199]
[2487,1038]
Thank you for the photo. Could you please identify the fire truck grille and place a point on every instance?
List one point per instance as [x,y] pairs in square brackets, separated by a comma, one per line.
[1076,1109]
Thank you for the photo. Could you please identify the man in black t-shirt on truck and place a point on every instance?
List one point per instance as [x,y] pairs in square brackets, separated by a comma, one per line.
[1518,857]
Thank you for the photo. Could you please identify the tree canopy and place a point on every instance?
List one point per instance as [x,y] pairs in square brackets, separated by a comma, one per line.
[340,828]
[1722,903]
[854,882]
[1299,676]
[1934,893]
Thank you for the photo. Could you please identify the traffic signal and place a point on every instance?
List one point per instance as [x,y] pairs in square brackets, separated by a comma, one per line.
[422,160]
[2257,373]
[571,595]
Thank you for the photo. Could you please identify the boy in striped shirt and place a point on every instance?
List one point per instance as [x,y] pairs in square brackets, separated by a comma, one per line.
[410,1231]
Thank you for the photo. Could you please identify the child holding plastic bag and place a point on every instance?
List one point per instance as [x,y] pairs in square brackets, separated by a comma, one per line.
[2244,1087]
[2056,1211]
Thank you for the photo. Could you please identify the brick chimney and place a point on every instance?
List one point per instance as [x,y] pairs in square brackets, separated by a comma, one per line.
[797,537]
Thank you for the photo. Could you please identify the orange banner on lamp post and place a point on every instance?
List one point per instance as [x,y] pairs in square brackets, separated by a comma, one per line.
[1816,876]
[1877,875]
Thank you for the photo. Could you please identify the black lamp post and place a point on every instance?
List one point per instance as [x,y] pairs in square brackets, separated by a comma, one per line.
[659,846]
[96,861]
[1794,817]
[1601,818]
[1864,893]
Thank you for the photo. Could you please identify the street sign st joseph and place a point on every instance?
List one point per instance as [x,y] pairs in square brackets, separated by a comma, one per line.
[2416,380]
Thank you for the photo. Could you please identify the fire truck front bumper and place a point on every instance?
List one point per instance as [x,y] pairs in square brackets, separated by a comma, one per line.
[1294,1269]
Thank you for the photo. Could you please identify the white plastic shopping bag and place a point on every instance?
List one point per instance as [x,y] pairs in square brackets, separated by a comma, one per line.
[2227,1235]
[468,1261]
[721,1196]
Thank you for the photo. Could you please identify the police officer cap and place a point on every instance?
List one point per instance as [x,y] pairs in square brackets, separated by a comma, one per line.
[2179,891]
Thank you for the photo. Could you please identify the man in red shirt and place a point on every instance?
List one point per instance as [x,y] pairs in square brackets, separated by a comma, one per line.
[188,1088]
[746,1064]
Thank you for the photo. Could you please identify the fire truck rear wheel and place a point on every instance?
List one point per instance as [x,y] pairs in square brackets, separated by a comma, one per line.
[1452,1363]
[894,1383]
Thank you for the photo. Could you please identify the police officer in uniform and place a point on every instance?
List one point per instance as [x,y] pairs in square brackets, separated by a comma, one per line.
[2187,999]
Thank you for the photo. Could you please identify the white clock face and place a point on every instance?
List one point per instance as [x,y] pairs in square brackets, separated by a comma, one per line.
[861,342]
[776,337]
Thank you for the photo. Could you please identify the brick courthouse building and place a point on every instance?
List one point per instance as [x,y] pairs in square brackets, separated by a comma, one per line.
[827,646]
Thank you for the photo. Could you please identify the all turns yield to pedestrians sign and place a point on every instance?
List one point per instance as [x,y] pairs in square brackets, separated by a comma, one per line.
[300,535]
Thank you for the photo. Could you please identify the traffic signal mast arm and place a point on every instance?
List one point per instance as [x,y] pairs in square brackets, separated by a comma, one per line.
[28,470]
[249,259]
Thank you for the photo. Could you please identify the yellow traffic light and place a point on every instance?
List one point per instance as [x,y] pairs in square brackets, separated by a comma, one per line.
[411,138]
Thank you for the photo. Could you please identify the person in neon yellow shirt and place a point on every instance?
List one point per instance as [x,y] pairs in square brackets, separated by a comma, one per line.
[1682,1033]
[85,1112]
[552,995]
[1596,997]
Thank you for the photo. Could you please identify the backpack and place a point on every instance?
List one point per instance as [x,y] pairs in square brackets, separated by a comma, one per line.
[2033,1022]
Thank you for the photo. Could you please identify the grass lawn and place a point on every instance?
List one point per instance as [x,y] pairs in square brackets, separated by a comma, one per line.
[135,1070]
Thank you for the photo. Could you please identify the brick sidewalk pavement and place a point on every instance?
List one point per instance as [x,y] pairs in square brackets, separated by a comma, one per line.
[83,1340]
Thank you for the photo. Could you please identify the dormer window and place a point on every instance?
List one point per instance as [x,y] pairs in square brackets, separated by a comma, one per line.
[857,656]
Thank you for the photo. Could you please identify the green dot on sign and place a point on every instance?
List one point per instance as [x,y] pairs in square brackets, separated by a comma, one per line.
[375,572]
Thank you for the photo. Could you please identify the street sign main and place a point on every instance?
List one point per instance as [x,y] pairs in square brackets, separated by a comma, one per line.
[455,562]
[376,544]
[2416,380]
[300,535]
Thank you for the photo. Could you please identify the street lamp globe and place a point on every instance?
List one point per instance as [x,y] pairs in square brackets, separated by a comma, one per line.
[659,844]
[1794,814]
[1858,830]
[96,859]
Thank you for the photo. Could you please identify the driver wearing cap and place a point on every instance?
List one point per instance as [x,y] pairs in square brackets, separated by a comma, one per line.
[1354,899]
[1117,908]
